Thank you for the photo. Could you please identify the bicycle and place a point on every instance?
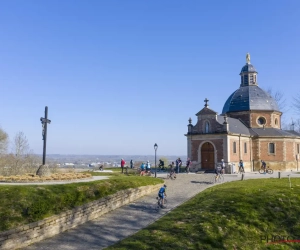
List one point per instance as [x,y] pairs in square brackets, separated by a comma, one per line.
[241,170]
[158,204]
[267,170]
[171,176]
[218,178]
[161,168]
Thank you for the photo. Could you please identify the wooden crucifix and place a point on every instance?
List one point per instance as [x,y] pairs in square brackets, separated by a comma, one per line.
[45,121]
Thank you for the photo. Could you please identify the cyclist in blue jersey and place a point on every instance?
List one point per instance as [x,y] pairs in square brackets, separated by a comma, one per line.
[162,194]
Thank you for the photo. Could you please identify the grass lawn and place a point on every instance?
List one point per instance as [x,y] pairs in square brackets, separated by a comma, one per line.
[236,215]
[29,203]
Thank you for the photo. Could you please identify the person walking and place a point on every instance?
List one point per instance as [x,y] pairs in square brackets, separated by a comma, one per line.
[148,167]
[131,163]
[142,167]
[188,163]
[123,162]
[223,166]
[178,165]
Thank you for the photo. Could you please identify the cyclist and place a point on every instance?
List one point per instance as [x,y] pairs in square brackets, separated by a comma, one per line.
[241,166]
[172,170]
[161,164]
[223,166]
[162,194]
[263,166]
[218,171]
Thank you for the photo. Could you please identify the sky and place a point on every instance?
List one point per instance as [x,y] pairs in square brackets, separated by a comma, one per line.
[120,76]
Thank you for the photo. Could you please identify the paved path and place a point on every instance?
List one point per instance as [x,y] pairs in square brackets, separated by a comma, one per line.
[127,220]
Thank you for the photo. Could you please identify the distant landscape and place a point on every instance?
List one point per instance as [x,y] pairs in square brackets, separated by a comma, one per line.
[85,161]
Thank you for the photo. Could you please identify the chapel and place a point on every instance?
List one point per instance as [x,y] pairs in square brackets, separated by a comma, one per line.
[248,129]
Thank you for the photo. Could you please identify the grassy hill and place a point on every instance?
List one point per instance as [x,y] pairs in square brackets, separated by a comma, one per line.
[236,215]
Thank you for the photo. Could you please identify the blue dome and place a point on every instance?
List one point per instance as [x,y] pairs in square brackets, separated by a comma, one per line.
[249,98]
[248,68]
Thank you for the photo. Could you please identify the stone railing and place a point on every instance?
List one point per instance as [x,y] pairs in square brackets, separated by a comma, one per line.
[40,230]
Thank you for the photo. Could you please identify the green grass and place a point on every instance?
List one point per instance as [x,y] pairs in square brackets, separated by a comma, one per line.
[236,215]
[25,204]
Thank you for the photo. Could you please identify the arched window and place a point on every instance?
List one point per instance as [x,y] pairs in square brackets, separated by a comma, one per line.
[206,129]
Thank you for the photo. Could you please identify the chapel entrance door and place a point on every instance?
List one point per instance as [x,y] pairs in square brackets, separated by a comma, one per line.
[207,156]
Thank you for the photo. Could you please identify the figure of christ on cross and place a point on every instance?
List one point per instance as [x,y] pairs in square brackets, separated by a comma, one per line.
[45,121]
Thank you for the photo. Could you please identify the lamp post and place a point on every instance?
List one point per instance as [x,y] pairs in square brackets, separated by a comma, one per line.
[155,148]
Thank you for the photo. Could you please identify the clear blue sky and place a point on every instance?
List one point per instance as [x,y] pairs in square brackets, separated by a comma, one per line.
[119,76]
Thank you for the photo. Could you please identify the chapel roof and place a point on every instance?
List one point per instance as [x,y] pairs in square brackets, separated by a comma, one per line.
[248,98]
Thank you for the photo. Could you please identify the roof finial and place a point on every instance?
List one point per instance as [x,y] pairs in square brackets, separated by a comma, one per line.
[206,103]
[248,58]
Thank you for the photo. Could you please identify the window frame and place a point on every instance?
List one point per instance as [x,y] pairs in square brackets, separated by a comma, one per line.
[274,148]
[251,79]
[259,119]
[234,147]
[246,79]
[245,148]
[206,127]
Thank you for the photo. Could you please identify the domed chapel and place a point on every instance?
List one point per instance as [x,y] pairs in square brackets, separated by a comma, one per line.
[248,129]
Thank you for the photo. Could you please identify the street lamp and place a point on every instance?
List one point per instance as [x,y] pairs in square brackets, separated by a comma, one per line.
[155,148]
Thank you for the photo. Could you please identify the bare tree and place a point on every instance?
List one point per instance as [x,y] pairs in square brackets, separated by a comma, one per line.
[297,125]
[22,159]
[279,98]
[281,102]
[296,103]
[3,141]
[21,145]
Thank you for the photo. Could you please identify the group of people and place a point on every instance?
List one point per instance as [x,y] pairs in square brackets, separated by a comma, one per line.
[176,168]
[145,168]
[123,162]
[221,168]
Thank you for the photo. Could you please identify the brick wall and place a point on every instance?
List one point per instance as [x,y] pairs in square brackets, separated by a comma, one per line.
[244,116]
[37,231]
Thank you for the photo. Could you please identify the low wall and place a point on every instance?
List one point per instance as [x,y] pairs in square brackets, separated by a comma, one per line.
[40,230]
